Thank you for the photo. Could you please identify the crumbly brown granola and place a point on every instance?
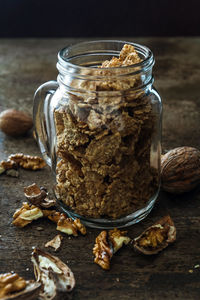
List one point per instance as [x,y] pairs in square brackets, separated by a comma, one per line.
[104,143]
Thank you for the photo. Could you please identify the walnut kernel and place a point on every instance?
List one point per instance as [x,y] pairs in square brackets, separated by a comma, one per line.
[65,224]
[102,251]
[28,161]
[26,214]
[10,283]
[118,238]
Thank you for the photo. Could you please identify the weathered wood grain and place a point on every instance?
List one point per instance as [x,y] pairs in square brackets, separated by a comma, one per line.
[24,65]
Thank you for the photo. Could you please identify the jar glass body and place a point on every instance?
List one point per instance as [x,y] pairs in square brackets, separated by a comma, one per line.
[101,137]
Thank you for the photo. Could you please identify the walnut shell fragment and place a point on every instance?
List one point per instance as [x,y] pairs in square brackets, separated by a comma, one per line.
[180,170]
[14,287]
[34,194]
[157,237]
[38,196]
[26,214]
[55,242]
[55,276]
[106,244]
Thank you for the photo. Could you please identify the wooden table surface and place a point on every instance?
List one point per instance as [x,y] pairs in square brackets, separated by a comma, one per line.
[24,65]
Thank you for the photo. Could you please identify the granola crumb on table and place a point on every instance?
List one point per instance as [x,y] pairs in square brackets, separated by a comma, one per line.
[104,144]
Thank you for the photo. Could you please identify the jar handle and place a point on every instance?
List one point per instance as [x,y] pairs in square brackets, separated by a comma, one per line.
[41,118]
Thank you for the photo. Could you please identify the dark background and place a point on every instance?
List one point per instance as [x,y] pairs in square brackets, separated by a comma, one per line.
[90,18]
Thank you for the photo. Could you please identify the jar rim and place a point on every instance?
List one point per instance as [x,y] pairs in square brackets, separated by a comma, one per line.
[65,55]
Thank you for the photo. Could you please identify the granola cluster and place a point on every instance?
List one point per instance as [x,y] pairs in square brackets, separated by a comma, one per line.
[103,143]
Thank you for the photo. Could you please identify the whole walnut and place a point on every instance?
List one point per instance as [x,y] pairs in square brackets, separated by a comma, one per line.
[180,170]
[15,123]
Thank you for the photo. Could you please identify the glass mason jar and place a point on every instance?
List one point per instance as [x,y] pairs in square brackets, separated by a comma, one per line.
[99,130]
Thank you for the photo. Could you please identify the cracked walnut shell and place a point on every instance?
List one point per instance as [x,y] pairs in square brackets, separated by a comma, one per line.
[34,194]
[55,242]
[54,275]
[38,196]
[157,237]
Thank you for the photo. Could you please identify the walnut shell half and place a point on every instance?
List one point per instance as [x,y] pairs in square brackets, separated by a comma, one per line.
[156,238]
[180,170]
[34,194]
[38,196]
[55,276]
